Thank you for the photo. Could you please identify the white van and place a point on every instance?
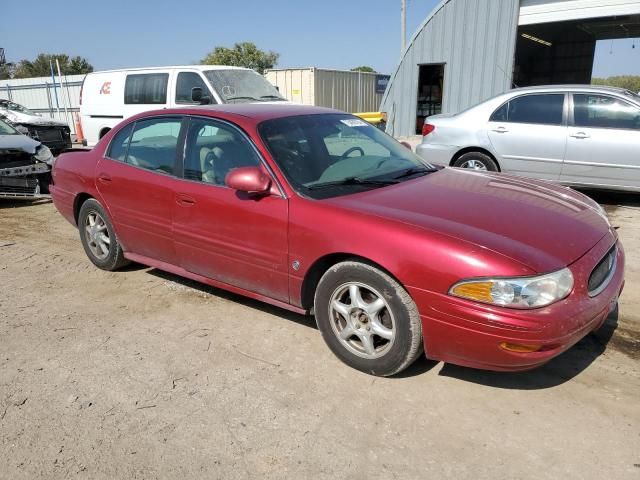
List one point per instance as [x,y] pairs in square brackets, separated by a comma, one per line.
[109,97]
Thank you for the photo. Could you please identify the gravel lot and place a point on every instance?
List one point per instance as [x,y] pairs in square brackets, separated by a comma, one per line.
[141,374]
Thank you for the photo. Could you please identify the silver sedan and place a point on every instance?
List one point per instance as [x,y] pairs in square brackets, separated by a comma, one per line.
[578,135]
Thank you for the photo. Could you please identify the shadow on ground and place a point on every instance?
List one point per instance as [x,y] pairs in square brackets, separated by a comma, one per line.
[612,200]
[12,203]
[305,320]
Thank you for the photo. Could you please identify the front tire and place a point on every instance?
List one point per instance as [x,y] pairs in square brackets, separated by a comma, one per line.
[368,319]
[99,238]
[476,161]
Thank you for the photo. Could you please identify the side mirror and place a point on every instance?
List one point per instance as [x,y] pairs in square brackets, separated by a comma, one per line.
[198,97]
[249,180]
[406,145]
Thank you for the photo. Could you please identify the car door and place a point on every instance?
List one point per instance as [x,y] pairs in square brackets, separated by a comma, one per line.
[529,134]
[136,181]
[603,145]
[221,233]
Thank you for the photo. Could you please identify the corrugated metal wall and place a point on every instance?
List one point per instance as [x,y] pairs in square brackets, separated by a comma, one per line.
[38,94]
[339,89]
[476,42]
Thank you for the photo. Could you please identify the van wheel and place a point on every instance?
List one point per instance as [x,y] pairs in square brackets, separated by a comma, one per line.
[367,319]
[476,161]
[99,238]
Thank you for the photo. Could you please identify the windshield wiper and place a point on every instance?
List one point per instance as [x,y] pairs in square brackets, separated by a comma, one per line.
[409,172]
[275,97]
[351,181]
[242,98]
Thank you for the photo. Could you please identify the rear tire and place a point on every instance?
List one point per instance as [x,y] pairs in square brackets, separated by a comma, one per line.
[476,161]
[368,319]
[99,238]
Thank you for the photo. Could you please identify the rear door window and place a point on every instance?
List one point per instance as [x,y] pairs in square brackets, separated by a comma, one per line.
[543,109]
[146,89]
[120,143]
[154,144]
[603,111]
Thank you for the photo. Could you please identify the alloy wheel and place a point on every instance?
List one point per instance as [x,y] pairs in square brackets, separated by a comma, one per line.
[97,235]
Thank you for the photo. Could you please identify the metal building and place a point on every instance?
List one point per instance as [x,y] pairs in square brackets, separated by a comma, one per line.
[467,51]
[340,89]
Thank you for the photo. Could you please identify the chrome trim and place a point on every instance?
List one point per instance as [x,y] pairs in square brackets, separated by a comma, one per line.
[605,283]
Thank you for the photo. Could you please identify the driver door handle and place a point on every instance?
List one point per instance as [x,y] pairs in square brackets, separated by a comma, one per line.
[580,135]
[104,178]
[500,130]
[185,200]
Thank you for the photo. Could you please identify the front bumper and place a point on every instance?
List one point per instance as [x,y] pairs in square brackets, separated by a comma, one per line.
[25,182]
[469,334]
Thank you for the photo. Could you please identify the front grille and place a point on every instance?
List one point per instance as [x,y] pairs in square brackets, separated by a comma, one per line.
[601,275]
[49,134]
[19,186]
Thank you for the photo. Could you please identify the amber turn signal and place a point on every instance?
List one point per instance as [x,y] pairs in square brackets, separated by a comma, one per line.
[519,348]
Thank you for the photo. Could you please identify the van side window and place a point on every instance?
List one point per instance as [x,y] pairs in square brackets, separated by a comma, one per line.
[185,82]
[147,89]
[120,143]
[153,144]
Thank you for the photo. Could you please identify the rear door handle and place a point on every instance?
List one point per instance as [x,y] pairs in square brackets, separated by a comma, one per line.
[104,178]
[580,135]
[500,130]
[185,200]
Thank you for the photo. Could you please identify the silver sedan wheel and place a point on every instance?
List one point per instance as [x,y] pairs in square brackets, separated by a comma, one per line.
[474,165]
[362,320]
[97,235]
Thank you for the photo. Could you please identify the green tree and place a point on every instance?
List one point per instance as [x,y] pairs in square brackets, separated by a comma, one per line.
[244,54]
[6,72]
[40,66]
[630,82]
[363,68]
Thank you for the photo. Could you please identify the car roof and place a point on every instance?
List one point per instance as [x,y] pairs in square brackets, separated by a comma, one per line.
[569,87]
[255,112]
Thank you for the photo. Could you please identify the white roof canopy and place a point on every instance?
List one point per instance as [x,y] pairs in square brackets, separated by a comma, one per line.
[546,11]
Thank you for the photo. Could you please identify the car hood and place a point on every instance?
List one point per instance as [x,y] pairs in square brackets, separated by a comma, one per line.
[537,224]
[24,119]
[18,142]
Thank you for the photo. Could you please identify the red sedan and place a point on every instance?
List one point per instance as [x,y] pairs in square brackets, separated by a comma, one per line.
[318,212]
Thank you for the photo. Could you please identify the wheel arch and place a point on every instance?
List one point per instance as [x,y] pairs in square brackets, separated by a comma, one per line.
[474,149]
[103,132]
[323,264]
[78,202]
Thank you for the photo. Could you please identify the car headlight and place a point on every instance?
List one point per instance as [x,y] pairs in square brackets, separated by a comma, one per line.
[517,292]
[43,154]
[22,129]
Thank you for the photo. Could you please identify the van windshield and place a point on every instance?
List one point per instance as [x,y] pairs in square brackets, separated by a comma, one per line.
[242,86]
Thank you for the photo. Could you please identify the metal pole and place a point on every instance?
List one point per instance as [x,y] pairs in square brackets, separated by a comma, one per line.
[64,103]
[55,88]
[403,24]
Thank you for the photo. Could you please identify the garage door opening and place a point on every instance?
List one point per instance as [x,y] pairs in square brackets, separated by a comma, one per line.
[563,52]
[430,81]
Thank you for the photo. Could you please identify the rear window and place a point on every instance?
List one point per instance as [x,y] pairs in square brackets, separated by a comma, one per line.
[546,109]
[146,89]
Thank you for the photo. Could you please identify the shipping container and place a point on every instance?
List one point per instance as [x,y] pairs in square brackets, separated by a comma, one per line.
[340,89]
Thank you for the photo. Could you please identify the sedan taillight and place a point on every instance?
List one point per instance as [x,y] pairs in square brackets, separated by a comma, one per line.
[427,128]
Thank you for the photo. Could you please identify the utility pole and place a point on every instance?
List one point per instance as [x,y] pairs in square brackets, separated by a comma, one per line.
[403,24]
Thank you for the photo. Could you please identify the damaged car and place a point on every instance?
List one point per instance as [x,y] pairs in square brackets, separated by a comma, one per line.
[25,165]
[55,134]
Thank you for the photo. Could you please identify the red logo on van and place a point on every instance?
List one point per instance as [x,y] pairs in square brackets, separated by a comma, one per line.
[106,88]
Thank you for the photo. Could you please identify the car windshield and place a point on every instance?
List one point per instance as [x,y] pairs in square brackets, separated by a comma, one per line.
[15,107]
[7,129]
[242,86]
[329,155]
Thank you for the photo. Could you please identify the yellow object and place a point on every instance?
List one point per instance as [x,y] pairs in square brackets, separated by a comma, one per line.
[519,348]
[479,291]
[373,117]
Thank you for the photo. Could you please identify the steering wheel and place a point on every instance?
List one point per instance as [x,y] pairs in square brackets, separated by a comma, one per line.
[350,151]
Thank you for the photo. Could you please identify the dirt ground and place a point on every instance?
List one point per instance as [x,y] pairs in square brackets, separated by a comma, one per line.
[141,374]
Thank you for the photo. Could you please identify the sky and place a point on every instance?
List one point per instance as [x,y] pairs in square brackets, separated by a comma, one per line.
[339,34]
